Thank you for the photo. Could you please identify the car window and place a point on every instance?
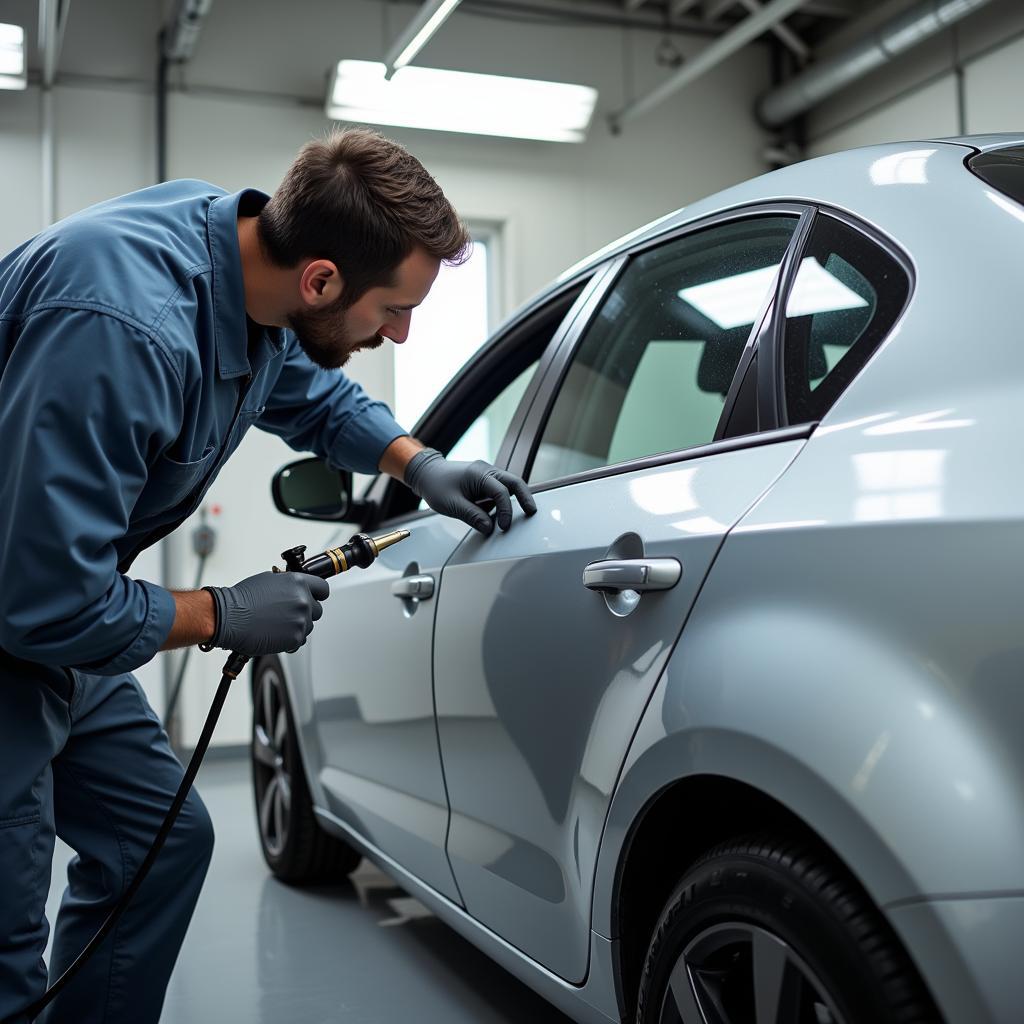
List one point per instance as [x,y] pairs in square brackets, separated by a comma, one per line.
[1002,169]
[847,294]
[651,373]
[483,437]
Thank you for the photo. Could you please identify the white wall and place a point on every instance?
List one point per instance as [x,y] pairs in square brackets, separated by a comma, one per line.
[554,203]
[918,96]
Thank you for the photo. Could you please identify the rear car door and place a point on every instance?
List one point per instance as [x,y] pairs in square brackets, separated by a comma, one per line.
[370,658]
[549,639]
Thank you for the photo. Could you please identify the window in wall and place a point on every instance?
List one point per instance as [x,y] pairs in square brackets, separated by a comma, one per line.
[446,330]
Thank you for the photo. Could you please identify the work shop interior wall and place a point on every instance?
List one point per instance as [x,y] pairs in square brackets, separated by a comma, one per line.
[253,94]
[966,80]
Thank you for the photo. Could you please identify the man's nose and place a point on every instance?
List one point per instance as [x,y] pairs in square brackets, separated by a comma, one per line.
[397,332]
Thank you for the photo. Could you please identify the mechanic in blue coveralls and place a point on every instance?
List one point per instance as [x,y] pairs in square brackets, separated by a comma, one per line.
[139,340]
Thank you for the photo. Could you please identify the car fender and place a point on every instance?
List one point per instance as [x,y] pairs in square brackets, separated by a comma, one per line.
[869,747]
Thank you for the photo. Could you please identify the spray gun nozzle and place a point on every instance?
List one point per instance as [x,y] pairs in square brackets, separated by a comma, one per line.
[362,550]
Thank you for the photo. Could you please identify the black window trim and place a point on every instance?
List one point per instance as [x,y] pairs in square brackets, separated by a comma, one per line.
[773,381]
[700,451]
[771,398]
[525,448]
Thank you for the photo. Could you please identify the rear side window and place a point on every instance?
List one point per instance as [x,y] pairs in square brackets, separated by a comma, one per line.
[847,294]
[652,371]
[1003,169]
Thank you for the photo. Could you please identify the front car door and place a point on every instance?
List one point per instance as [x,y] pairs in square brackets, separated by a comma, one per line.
[374,746]
[550,638]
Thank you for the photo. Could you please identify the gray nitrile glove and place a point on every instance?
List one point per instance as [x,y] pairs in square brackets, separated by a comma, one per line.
[451,488]
[268,613]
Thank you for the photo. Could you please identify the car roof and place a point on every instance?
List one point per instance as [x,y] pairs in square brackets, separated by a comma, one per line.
[834,179]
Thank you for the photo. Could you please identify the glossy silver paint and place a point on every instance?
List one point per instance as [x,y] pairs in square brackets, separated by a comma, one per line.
[373,704]
[539,683]
[854,652]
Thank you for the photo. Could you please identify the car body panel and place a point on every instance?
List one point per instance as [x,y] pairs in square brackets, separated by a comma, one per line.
[903,482]
[593,1002]
[373,706]
[874,588]
[539,683]
[968,951]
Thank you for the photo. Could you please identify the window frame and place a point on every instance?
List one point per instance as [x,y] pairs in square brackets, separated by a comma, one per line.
[773,382]
[770,428]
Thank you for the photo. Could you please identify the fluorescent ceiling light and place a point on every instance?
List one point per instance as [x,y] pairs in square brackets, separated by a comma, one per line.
[457,101]
[13,72]
[430,17]
[735,301]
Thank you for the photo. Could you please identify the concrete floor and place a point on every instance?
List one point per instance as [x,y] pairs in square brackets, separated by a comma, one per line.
[261,952]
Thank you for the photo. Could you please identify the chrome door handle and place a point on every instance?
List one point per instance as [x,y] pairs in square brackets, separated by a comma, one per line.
[638,574]
[419,588]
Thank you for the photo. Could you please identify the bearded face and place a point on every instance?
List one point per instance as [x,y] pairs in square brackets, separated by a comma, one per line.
[326,337]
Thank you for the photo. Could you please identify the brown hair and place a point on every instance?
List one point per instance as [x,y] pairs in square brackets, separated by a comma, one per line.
[364,203]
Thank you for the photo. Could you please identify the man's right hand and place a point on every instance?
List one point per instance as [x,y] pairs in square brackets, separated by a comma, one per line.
[268,613]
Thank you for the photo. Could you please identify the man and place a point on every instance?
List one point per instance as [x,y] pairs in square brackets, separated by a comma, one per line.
[139,339]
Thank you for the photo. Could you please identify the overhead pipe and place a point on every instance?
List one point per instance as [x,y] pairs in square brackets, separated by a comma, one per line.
[175,45]
[895,37]
[420,30]
[711,56]
[53,16]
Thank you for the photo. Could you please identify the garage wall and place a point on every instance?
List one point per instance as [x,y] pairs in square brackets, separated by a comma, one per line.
[966,80]
[241,110]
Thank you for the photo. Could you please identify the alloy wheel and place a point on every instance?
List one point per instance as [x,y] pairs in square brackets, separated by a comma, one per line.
[738,972]
[272,762]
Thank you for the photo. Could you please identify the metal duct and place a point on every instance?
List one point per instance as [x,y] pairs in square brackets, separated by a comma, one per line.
[895,37]
[711,56]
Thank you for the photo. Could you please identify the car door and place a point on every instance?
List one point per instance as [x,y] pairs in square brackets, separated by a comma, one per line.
[371,672]
[549,639]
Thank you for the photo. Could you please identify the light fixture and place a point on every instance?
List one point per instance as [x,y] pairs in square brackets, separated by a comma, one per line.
[427,20]
[13,69]
[735,301]
[459,101]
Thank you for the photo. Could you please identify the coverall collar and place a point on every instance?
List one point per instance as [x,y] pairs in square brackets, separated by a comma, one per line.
[229,324]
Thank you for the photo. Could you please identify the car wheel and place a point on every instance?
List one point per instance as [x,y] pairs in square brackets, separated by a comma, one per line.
[295,847]
[761,929]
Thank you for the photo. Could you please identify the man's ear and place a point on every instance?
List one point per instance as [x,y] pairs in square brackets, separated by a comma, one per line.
[320,284]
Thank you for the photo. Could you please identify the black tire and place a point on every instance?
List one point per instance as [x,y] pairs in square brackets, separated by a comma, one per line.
[297,850]
[823,952]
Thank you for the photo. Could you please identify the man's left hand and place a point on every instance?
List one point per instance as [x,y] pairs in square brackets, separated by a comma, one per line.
[451,488]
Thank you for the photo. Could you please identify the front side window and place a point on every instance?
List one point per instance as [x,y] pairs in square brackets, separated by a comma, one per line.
[847,294]
[484,435]
[653,369]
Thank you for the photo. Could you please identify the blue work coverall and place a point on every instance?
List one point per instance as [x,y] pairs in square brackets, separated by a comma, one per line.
[128,375]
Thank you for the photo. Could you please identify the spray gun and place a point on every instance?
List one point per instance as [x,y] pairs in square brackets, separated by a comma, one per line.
[361,551]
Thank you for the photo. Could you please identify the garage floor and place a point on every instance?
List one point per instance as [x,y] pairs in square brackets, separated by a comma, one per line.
[258,951]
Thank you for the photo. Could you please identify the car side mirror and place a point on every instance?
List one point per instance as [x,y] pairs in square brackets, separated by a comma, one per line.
[310,489]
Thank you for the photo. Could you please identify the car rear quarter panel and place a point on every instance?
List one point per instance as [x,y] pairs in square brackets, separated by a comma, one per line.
[857,652]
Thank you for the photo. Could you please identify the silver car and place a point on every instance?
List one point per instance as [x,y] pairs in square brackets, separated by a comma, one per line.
[731,730]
